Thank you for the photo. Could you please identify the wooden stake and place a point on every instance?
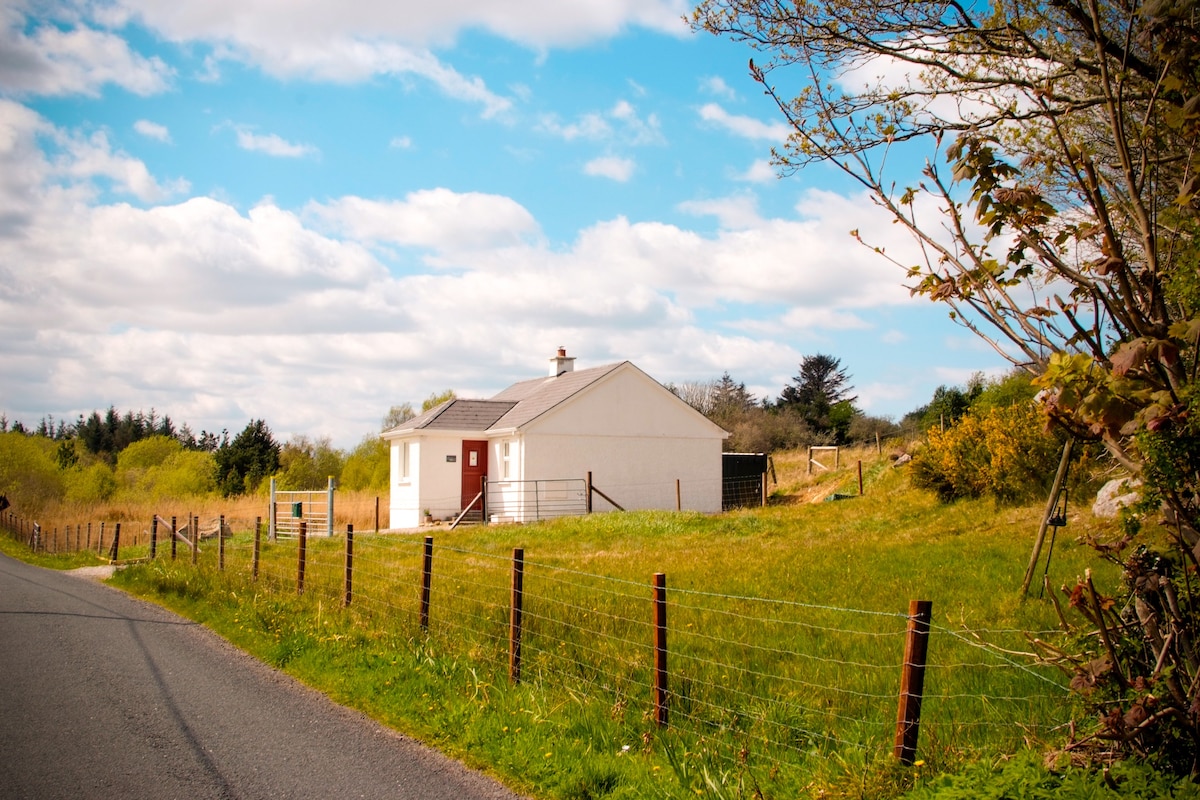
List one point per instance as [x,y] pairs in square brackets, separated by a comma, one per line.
[514,620]
[1059,477]
[660,649]
[912,680]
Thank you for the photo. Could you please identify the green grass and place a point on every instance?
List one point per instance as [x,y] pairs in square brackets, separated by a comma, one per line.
[786,637]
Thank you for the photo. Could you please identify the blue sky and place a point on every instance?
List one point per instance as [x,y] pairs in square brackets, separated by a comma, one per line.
[308,212]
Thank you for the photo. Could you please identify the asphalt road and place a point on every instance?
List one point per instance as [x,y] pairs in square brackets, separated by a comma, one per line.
[105,696]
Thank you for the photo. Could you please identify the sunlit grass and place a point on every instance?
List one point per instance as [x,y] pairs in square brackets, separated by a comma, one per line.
[779,685]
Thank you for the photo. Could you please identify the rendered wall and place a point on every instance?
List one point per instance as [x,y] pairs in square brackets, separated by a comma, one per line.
[637,439]
[434,483]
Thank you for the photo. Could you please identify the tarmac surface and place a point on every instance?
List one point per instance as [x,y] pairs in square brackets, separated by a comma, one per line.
[106,696]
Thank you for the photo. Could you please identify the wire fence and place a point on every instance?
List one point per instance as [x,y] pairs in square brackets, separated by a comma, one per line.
[780,679]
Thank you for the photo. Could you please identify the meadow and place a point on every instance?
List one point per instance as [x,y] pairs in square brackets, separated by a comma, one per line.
[786,629]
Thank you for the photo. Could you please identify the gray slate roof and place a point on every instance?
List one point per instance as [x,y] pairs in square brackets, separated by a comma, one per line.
[514,407]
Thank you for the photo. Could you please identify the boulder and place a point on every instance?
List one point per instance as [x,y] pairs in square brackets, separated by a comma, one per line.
[1115,495]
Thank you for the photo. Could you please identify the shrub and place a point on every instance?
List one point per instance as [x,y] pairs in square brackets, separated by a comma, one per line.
[1001,452]
[93,484]
[29,476]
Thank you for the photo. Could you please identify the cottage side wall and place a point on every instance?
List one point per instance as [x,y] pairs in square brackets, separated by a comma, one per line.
[434,483]
[636,472]
[636,439]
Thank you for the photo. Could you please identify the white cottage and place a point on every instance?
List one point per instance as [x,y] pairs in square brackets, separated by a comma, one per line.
[526,453]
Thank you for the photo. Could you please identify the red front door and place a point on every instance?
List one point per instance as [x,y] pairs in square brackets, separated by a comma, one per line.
[474,468]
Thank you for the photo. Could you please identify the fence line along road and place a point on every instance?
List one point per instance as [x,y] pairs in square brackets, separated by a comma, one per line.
[105,696]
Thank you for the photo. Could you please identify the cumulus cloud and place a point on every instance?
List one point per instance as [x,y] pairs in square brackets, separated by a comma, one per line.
[89,157]
[761,171]
[535,23]
[716,85]
[152,130]
[272,144]
[437,219]
[745,127]
[50,60]
[733,212]
[612,167]
[358,39]
[621,122]
[319,319]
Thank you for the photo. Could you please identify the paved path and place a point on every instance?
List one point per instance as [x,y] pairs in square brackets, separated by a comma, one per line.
[104,696]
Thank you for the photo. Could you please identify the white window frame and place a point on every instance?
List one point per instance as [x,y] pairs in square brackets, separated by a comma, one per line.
[405,461]
[507,451]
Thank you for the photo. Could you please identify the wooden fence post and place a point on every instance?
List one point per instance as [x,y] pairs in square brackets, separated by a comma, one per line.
[100,541]
[426,582]
[660,649]
[221,543]
[860,485]
[912,680]
[348,583]
[116,543]
[195,538]
[589,491]
[89,536]
[174,540]
[377,513]
[678,496]
[153,536]
[514,620]
[301,555]
[257,548]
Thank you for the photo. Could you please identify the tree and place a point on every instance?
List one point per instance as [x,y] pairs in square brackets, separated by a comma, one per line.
[436,399]
[367,465]
[1057,216]
[243,463]
[821,395]
[309,464]
[397,415]
[1065,230]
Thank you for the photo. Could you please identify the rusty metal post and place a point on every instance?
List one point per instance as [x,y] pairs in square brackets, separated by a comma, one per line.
[301,556]
[426,582]
[348,583]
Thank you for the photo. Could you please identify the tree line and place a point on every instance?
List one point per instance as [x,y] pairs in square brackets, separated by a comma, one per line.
[818,408]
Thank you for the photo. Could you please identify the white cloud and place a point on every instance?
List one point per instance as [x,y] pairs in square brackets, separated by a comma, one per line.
[590,126]
[52,60]
[437,218]
[716,85]
[401,143]
[746,127]
[318,321]
[272,144]
[736,212]
[611,167]
[761,171]
[621,122]
[358,39]
[152,130]
[535,23]
[90,157]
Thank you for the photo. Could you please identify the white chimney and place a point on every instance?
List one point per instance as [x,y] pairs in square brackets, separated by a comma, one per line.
[561,363]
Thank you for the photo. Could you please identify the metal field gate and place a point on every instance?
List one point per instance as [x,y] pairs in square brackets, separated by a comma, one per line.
[290,508]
